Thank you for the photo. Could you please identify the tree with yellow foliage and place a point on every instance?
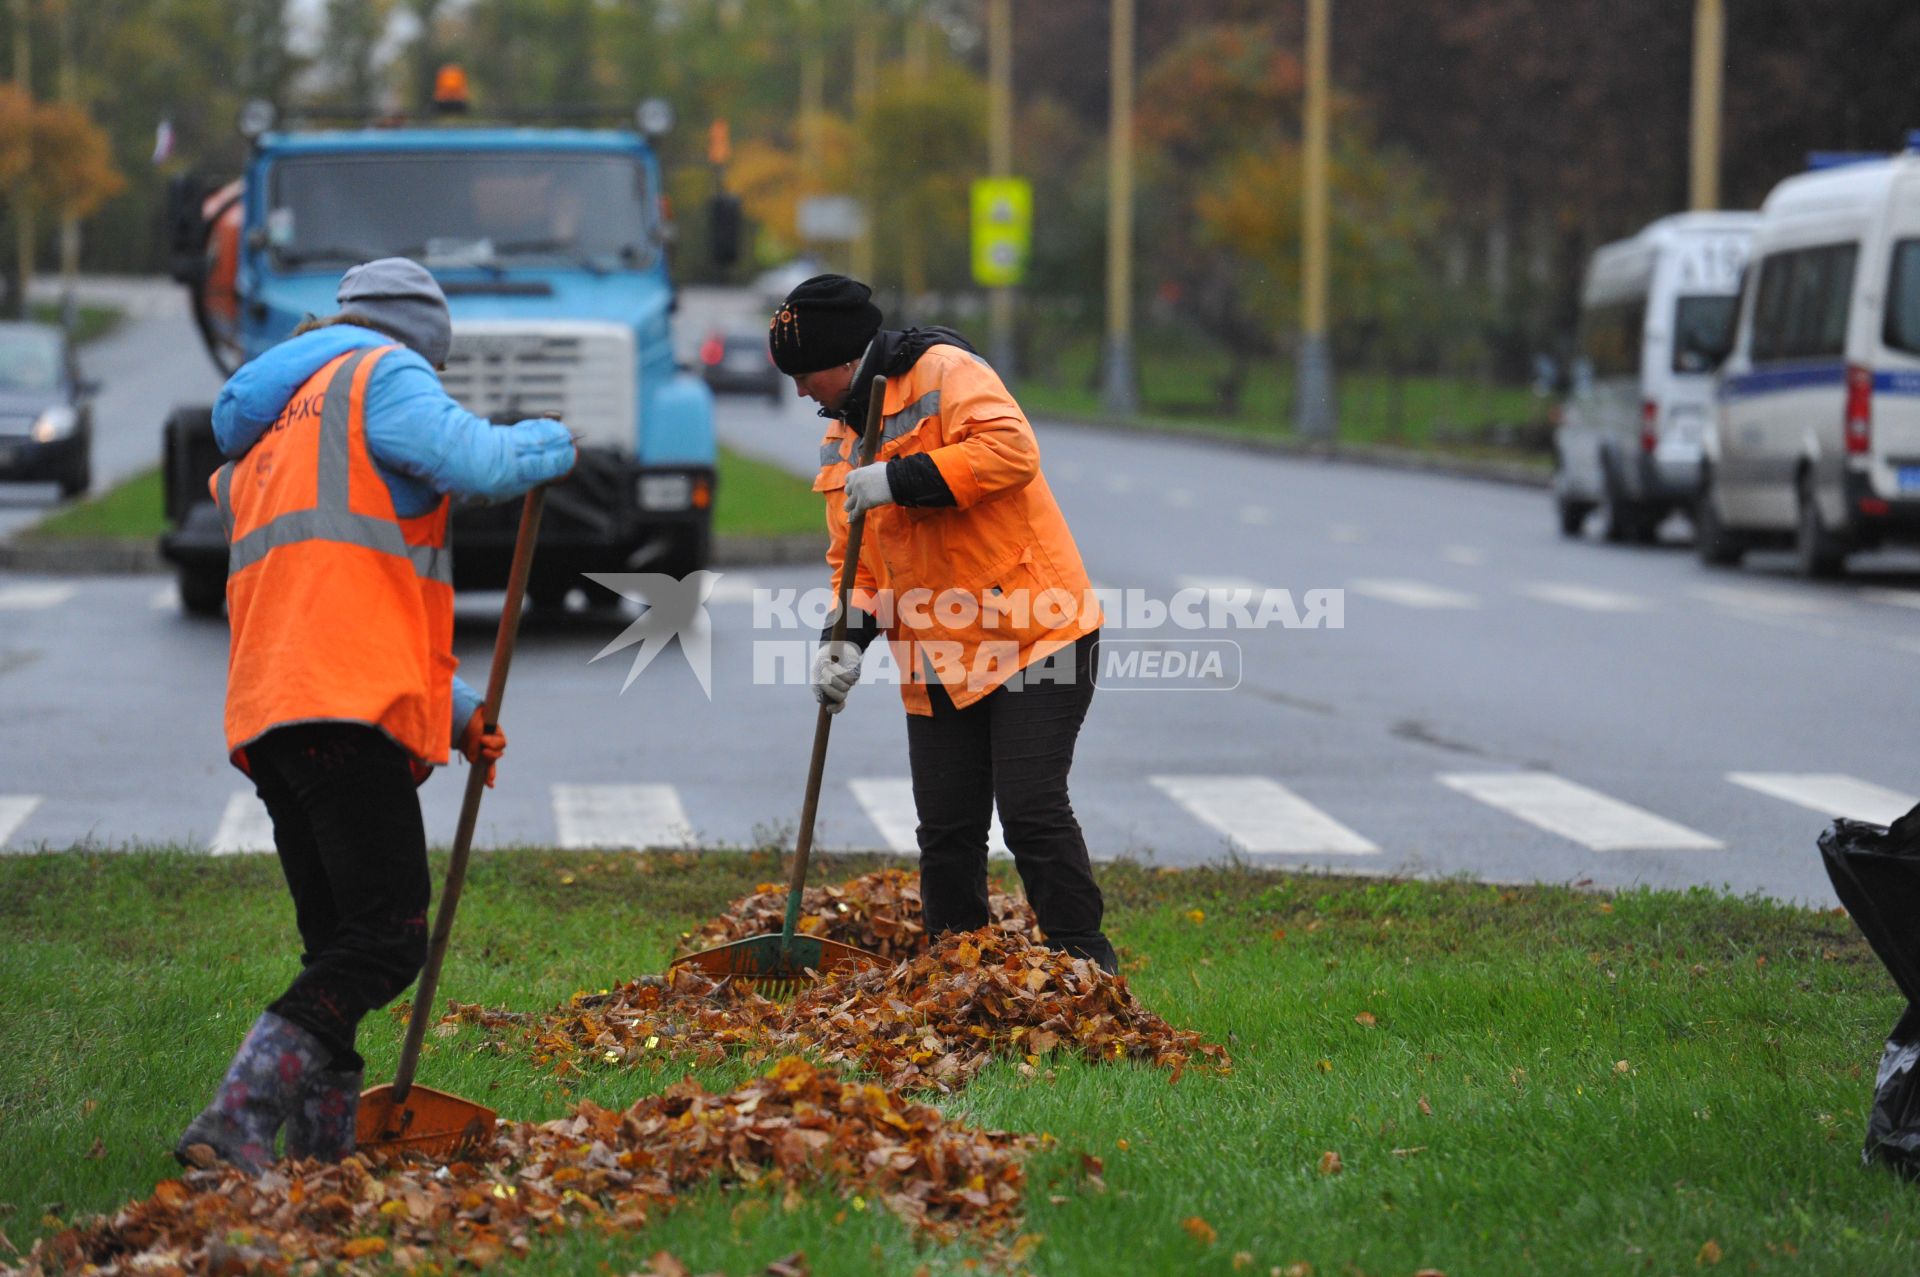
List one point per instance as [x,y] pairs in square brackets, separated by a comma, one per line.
[53,159]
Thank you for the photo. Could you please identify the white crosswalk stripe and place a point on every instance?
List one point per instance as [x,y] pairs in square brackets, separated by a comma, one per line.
[165,600]
[1894,598]
[1830,794]
[635,816]
[33,598]
[1741,598]
[1584,597]
[244,827]
[1417,594]
[1119,484]
[1574,812]
[1465,555]
[888,802]
[14,810]
[1261,815]
[1180,498]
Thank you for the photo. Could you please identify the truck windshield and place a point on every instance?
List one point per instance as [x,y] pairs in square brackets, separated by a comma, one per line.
[473,209]
[1702,331]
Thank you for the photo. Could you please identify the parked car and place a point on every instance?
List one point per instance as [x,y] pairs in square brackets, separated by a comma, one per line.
[46,409]
[1816,440]
[740,364]
[1653,314]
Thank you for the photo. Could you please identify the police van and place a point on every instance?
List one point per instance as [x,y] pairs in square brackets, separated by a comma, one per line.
[1654,312]
[1816,438]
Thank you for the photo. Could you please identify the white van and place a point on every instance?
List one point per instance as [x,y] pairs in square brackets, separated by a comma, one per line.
[1816,437]
[1655,310]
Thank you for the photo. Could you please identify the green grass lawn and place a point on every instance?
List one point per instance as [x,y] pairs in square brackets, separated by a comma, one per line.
[1531,1080]
[90,323]
[1177,379]
[755,499]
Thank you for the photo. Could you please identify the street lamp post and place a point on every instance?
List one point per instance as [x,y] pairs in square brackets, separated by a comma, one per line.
[1000,164]
[1118,388]
[1709,57]
[1314,410]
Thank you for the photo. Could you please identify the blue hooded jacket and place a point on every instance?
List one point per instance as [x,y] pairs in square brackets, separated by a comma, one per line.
[422,442]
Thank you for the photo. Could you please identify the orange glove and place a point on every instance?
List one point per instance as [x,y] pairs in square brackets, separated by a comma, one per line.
[477,743]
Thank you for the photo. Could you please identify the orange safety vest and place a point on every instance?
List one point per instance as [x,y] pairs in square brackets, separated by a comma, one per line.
[341,610]
[974,592]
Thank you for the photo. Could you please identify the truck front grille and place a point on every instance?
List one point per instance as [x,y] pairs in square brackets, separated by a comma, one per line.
[580,371]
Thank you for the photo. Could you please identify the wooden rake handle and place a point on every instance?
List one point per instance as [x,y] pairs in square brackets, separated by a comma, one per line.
[504,642]
[823,722]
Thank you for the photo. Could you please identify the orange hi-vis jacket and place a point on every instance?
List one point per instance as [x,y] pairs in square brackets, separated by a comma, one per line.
[341,611]
[974,592]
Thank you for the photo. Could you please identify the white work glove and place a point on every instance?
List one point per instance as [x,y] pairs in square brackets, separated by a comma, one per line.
[836,668]
[867,488]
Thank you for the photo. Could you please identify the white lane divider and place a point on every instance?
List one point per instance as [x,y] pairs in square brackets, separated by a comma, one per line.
[1255,515]
[1345,534]
[1180,498]
[1465,555]
[1830,794]
[1258,814]
[1584,597]
[1575,812]
[14,810]
[1894,598]
[165,600]
[33,598]
[888,802]
[244,827]
[632,816]
[1119,484]
[1412,593]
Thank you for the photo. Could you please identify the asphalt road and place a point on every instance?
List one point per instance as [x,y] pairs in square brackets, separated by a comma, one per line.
[1498,702]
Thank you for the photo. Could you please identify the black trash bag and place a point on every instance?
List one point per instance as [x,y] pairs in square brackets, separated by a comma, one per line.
[1876,874]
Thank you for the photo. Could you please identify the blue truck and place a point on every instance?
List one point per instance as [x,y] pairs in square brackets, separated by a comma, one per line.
[551,244]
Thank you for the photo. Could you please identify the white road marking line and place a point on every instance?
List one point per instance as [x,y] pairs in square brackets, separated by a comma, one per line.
[733,587]
[1769,602]
[165,600]
[1180,498]
[1119,484]
[33,598]
[1465,555]
[1830,794]
[1896,598]
[1412,593]
[14,810]
[888,802]
[635,816]
[1584,597]
[1346,533]
[1260,815]
[1070,472]
[1577,813]
[244,827]
[1256,515]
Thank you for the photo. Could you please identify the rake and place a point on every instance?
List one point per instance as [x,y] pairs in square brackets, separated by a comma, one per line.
[779,964]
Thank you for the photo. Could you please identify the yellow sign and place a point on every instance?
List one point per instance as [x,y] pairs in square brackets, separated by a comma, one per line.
[1002,230]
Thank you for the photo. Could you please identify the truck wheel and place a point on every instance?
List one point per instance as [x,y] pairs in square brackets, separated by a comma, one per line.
[1817,552]
[1573,515]
[203,593]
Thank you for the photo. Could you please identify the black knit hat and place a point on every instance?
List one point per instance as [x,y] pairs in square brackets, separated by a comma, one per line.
[827,320]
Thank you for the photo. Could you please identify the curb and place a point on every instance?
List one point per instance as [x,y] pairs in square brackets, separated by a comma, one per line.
[121,556]
[82,556]
[1485,469]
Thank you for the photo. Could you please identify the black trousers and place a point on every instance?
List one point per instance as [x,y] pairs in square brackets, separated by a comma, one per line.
[1012,748]
[346,822]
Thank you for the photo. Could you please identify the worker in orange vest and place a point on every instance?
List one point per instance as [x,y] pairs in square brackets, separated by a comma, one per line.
[341,692]
[968,566]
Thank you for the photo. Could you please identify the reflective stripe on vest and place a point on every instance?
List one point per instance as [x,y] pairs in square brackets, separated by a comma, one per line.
[332,517]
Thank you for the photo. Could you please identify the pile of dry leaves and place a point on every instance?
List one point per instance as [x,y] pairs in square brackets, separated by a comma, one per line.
[929,1022]
[878,912]
[795,1125]
[935,1020]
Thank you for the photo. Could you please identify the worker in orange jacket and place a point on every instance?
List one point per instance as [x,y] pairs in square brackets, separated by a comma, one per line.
[968,567]
[341,692]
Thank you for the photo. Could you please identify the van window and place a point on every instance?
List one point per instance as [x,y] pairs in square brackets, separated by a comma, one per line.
[1702,330]
[1903,298]
[1801,311]
[1610,338]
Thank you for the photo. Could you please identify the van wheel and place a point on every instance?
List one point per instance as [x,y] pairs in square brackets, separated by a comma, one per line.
[1816,551]
[1573,516]
[1717,547]
[1623,521]
[203,593]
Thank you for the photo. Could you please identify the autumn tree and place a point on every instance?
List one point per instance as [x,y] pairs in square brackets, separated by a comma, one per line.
[53,160]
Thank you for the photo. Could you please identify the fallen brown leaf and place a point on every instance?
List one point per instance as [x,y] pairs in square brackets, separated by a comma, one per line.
[1330,1163]
[1709,1255]
[1200,1230]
